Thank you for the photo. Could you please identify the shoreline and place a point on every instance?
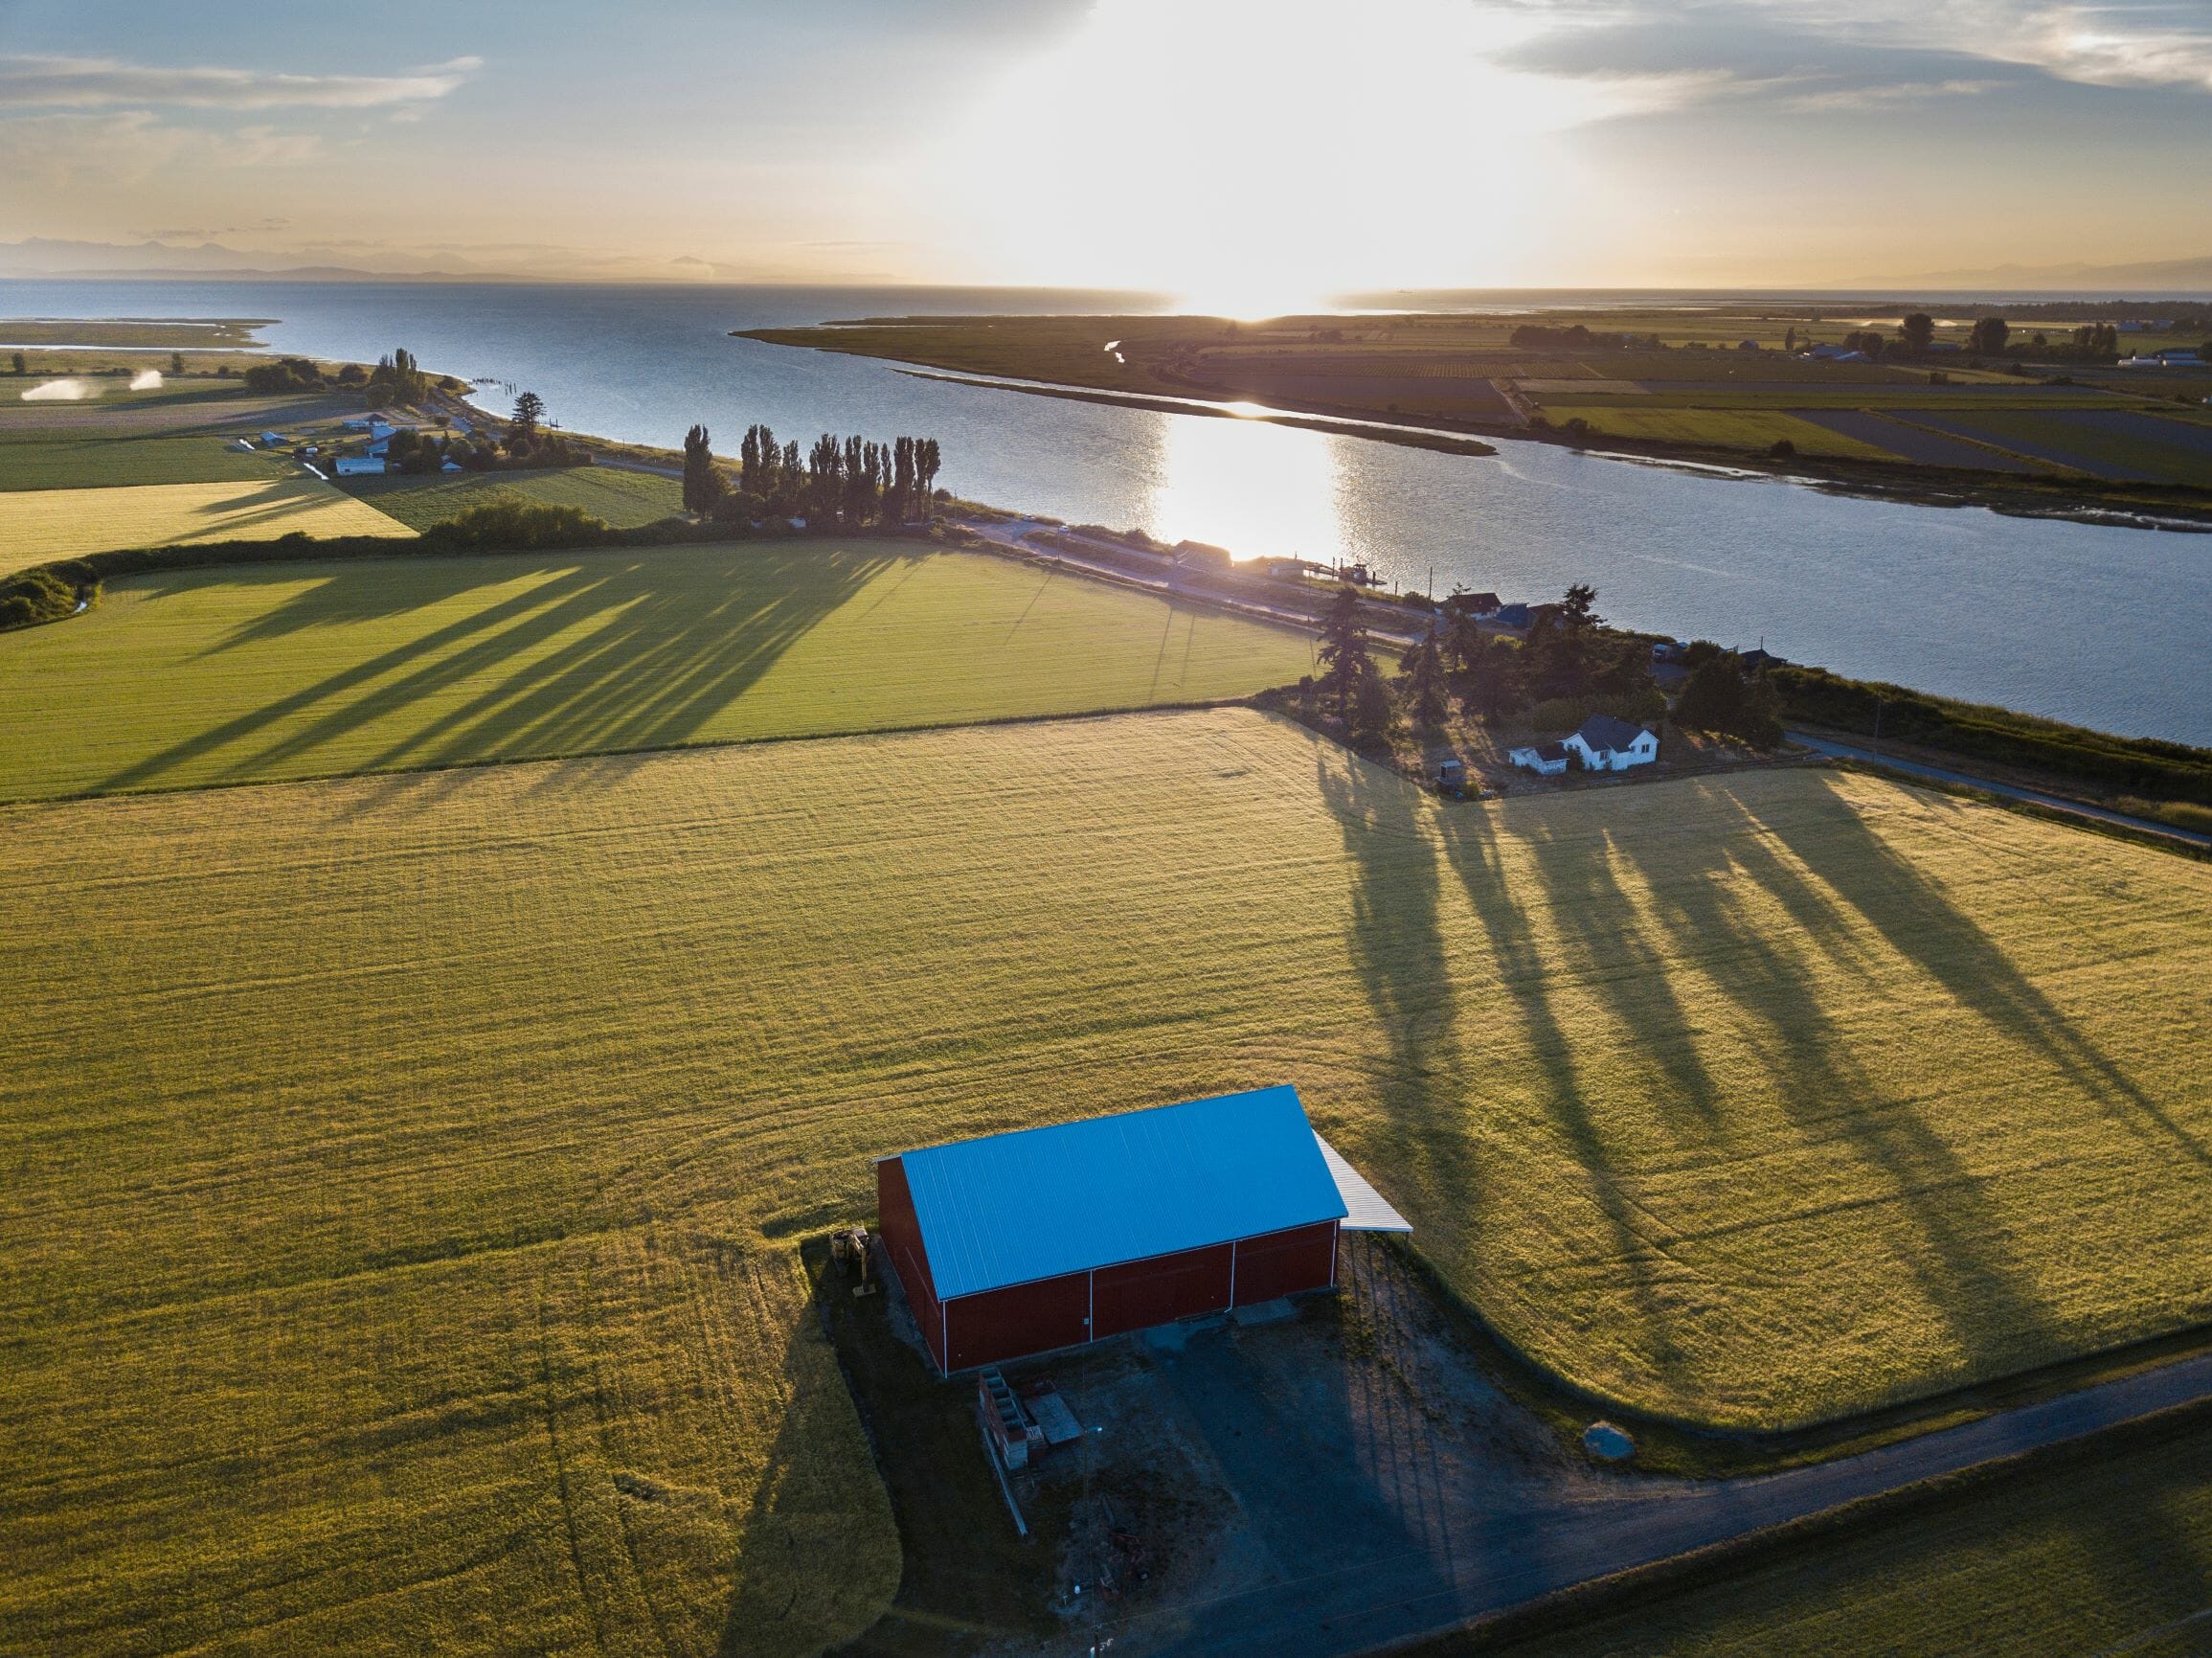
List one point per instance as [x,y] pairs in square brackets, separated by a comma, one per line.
[2133,507]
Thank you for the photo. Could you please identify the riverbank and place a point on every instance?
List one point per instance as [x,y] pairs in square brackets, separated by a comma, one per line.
[2024,442]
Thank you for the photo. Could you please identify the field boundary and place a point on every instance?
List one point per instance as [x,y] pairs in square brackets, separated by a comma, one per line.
[1720,1562]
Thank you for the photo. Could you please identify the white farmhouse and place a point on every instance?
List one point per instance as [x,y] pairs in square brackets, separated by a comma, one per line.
[1547,759]
[1605,743]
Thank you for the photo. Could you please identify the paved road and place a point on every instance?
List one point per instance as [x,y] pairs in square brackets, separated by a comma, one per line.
[1015,534]
[1375,1519]
[2035,797]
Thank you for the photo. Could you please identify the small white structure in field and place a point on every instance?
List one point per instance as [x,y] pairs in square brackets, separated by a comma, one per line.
[1605,743]
[1547,760]
[354,465]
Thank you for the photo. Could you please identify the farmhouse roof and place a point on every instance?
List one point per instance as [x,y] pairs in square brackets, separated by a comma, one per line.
[1012,1208]
[1602,731]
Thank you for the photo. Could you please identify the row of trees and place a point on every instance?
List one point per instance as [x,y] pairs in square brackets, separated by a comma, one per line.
[841,481]
[1569,664]
[396,378]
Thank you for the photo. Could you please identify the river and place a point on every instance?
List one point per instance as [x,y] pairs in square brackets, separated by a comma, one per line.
[2108,627]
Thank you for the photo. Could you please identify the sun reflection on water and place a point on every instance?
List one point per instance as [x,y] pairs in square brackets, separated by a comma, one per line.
[1256,487]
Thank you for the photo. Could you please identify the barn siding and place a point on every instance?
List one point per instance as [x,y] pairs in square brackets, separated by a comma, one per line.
[902,1244]
[1022,1318]
[1142,1293]
[1285,1263]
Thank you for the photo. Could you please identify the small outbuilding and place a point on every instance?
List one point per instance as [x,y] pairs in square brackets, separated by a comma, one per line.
[1547,759]
[356,466]
[1604,743]
[1052,1238]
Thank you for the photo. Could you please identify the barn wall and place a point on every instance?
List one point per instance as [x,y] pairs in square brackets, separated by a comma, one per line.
[1285,1263]
[1023,1318]
[1159,1290]
[902,1244]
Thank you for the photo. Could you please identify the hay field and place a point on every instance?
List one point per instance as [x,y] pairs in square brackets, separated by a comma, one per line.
[403,1172]
[623,498]
[310,669]
[39,525]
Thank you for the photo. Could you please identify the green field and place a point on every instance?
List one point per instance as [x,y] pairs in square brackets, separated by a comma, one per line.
[1749,429]
[37,525]
[306,670]
[404,1171]
[2109,1555]
[623,498]
[91,461]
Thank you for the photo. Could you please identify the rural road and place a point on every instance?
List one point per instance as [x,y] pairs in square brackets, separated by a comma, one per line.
[1380,1520]
[2034,797]
[1015,534]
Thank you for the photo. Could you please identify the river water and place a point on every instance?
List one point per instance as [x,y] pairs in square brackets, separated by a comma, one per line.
[2108,627]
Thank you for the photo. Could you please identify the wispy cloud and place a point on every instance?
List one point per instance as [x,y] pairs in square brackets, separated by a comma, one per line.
[128,146]
[50,82]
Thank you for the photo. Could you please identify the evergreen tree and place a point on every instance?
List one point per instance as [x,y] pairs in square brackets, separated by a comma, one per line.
[925,465]
[1425,697]
[528,414]
[902,485]
[1344,649]
[702,482]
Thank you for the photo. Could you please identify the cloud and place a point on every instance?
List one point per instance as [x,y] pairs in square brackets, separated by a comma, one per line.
[1868,53]
[126,147]
[28,81]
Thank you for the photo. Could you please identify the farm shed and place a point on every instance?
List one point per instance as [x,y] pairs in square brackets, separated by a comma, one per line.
[1050,1237]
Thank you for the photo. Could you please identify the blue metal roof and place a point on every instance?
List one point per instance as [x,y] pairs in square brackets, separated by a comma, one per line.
[1012,1208]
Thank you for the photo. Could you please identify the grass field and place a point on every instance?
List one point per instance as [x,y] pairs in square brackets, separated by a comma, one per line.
[1749,429]
[348,1308]
[96,463]
[624,499]
[2107,1556]
[302,669]
[39,525]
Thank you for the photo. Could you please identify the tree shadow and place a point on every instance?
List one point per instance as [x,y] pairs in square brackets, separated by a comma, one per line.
[602,654]
[1576,886]
[1705,892]
[1915,917]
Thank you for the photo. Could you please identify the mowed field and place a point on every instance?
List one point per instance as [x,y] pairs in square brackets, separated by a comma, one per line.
[623,498]
[404,1171]
[311,669]
[37,525]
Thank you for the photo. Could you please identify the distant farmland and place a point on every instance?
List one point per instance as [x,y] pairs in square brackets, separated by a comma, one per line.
[304,669]
[41,525]
[623,498]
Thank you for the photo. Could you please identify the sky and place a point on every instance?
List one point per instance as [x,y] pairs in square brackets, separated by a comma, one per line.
[1239,155]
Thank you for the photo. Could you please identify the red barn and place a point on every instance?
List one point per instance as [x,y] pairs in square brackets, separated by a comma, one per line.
[1021,1243]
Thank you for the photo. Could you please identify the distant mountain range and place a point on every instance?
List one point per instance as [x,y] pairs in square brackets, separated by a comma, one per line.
[42,257]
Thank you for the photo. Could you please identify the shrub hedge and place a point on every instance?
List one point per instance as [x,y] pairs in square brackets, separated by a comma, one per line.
[2093,758]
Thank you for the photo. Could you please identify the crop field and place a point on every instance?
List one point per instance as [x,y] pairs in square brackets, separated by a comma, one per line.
[2112,443]
[306,670]
[1901,433]
[39,525]
[88,462]
[623,498]
[345,1308]
[1756,429]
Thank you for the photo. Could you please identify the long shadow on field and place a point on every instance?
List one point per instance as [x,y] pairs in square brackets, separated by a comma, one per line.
[1920,923]
[1713,895]
[602,654]
[1587,905]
